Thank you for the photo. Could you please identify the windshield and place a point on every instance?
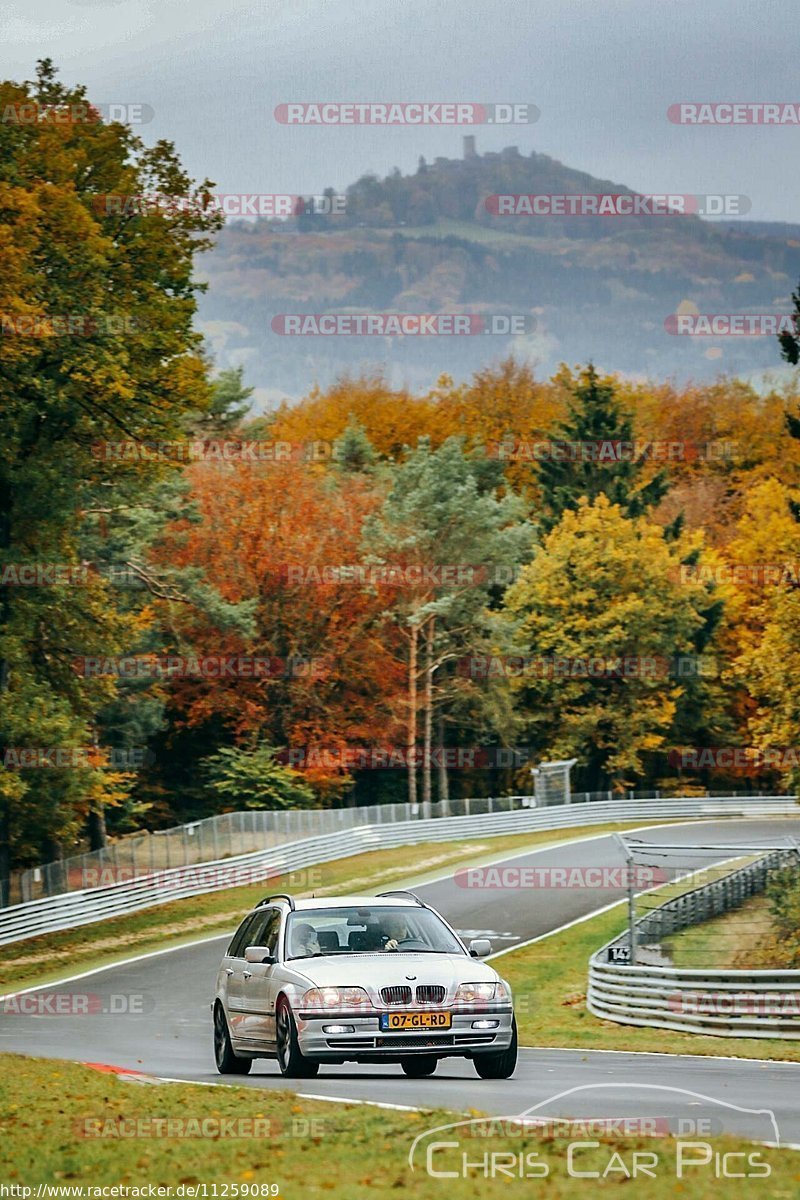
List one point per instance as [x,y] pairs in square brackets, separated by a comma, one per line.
[315,932]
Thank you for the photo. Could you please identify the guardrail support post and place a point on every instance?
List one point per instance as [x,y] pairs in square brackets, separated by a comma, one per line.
[631,897]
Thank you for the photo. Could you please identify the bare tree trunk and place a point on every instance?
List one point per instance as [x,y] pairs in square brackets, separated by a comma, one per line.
[428,703]
[96,819]
[411,740]
[54,873]
[443,781]
[96,826]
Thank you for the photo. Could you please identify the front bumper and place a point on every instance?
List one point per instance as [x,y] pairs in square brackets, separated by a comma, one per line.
[365,1041]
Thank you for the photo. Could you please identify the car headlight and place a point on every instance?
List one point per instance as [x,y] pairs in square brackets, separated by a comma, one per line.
[335,997]
[474,993]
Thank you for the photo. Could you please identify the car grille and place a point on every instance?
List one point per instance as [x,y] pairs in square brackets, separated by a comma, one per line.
[430,993]
[399,1042]
[398,994]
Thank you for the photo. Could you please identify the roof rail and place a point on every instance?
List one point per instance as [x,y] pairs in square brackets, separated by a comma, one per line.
[279,896]
[403,892]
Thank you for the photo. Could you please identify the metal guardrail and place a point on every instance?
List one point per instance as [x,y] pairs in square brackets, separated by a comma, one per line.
[229,834]
[720,1002]
[84,907]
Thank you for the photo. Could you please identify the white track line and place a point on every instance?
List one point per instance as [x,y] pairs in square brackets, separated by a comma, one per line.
[372,1103]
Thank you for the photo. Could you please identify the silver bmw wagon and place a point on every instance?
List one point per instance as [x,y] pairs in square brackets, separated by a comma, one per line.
[378,979]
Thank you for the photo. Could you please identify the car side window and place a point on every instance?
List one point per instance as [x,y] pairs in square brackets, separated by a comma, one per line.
[242,936]
[269,936]
[265,930]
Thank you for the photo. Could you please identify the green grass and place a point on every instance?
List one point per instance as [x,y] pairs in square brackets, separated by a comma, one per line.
[50,956]
[307,1148]
[727,941]
[549,980]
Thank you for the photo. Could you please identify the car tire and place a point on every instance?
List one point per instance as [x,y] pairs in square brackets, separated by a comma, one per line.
[420,1066]
[291,1060]
[500,1065]
[228,1063]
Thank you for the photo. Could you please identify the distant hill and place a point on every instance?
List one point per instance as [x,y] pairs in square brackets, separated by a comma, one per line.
[597,287]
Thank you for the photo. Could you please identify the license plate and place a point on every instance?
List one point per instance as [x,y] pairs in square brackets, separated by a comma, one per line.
[416,1020]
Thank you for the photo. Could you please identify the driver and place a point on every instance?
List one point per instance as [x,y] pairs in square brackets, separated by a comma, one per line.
[397,931]
[304,940]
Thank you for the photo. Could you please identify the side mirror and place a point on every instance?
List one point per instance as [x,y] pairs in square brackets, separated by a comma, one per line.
[480,947]
[259,954]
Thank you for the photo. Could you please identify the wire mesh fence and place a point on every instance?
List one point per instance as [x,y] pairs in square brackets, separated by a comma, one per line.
[704,906]
[230,834]
[224,836]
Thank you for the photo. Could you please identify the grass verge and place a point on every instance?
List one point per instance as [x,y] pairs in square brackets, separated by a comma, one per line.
[549,980]
[64,1124]
[732,940]
[50,956]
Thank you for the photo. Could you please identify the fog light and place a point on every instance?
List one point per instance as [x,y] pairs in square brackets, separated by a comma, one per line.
[485,1024]
[338,1028]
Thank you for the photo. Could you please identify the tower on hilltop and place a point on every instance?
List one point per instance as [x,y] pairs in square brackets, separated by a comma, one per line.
[469,146]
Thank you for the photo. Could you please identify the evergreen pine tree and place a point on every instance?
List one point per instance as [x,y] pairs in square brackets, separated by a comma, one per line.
[595,460]
[353,451]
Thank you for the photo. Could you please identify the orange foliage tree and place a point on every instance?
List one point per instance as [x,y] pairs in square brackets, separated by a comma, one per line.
[274,536]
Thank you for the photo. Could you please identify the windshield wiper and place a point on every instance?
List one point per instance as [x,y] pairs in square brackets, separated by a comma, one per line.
[401,951]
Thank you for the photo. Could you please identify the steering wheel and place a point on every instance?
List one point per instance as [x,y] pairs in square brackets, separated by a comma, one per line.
[414,943]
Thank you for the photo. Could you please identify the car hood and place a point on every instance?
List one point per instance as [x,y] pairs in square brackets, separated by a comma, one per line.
[385,970]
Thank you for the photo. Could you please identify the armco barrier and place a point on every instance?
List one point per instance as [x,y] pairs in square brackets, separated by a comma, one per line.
[230,834]
[719,1002]
[73,909]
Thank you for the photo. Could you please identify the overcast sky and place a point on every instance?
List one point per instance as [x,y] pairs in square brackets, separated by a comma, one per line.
[602,72]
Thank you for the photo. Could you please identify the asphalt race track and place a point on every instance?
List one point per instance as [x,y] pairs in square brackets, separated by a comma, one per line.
[170,1033]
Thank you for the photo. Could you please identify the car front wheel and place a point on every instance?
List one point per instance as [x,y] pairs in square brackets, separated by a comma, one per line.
[228,1063]
[291,1060]
[500,1065]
